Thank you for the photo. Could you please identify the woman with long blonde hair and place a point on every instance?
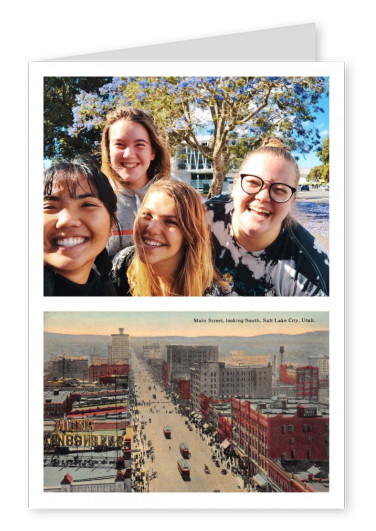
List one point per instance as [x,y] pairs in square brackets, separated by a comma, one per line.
[172,255]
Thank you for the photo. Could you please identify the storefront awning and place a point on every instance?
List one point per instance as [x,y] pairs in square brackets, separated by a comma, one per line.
[260,480]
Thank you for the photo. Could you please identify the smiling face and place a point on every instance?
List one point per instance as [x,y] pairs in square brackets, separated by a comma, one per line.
[257,220]
[131,152]
[158,236]
[76,230]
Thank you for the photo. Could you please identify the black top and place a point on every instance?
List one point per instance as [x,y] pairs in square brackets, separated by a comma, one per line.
[57,285]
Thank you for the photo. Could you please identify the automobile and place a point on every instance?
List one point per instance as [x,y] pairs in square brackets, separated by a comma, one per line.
[167,432]
[304,188]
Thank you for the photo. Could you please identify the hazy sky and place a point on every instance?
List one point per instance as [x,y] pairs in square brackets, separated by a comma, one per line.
[183,323]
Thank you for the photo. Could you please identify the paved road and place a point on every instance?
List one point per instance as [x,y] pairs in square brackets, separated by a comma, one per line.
[166,451]
[316,196]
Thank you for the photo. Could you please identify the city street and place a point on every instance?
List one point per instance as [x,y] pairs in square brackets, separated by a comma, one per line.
[161,471]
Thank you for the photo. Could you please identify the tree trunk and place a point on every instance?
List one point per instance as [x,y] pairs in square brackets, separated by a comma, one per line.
[220,167]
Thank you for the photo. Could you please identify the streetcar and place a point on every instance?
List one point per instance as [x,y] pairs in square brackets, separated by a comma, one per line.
[167,432]
[184,450]
[184,469]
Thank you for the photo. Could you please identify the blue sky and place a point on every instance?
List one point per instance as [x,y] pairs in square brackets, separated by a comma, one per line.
[322,123]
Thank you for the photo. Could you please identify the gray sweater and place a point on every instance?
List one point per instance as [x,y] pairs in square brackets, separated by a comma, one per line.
[128,203]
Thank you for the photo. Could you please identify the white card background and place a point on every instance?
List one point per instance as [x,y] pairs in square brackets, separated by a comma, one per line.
[332,304]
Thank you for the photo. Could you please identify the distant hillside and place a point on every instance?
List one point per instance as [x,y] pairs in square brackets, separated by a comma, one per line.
[297,347]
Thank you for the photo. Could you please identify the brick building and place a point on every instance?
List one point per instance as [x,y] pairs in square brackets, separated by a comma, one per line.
[107,369]
[287,374]
[289,431]
[184,388]
[307,382]
[58,402]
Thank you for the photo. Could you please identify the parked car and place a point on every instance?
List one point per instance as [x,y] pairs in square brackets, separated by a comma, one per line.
[304,188]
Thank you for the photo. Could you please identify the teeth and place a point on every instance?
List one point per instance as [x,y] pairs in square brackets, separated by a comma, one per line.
[153,244]
[260,211]
[130,165]
[70,242]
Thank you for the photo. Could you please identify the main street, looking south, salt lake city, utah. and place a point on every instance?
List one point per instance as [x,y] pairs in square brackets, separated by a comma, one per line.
[246,393]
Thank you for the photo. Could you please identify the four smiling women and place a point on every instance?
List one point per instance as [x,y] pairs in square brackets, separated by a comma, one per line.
[161,230]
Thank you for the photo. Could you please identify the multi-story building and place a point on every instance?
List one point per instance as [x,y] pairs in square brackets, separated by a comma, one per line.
[181,357]
[307,382]
[58,403]
[96,371]
[152,351]
[287,374]
[290,431]
[184,389]
[322,362]
[70,367]
[120,347]
[218,381]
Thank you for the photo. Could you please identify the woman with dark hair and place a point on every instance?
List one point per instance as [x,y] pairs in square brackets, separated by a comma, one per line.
[79,214]
[133,157]
[259,248]
[172,255]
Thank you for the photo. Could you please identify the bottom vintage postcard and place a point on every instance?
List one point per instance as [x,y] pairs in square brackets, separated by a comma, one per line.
[233,405]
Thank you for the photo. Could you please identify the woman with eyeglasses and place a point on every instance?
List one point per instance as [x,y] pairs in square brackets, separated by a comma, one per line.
[260,249]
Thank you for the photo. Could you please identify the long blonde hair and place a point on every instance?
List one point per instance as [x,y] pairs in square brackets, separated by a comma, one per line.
[196,272]
[160,167]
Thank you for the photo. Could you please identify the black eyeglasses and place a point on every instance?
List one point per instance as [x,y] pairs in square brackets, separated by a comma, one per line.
[278,192]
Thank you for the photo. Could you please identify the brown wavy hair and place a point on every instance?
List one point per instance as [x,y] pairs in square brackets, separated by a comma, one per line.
[159,168]
[196,272]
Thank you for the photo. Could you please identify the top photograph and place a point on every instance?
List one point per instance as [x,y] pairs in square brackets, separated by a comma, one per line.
[186,186]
